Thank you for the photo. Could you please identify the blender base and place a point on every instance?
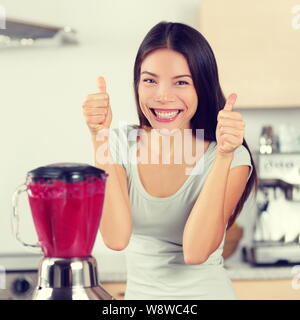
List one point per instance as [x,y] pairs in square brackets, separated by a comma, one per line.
[95,293]
[69,279]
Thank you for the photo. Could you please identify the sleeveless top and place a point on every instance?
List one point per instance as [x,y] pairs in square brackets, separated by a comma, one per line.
[154,255]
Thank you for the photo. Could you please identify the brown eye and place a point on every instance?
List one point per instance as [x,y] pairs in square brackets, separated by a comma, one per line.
[145,80]
[183,82]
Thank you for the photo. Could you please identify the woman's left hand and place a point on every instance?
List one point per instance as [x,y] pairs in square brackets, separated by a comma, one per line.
[230,128]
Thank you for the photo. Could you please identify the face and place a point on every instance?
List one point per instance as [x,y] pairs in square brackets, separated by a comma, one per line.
[167,95]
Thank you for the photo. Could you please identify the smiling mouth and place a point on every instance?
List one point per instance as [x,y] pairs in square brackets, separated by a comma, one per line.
[165,113]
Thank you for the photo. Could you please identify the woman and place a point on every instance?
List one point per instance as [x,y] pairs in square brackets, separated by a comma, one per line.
[173,224]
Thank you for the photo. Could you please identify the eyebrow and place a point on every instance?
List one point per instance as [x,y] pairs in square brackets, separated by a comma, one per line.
[155,75]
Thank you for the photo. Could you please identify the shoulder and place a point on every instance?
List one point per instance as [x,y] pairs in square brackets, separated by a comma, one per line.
[122,128]
[124,132]
[242,157]
[121,139]
[241,153]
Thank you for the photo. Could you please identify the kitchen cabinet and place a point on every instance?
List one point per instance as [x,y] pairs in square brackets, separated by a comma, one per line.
[266,289]
[116,289]
[245,289]
[257,48]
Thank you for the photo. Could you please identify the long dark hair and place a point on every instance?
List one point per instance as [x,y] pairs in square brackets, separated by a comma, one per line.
[201,60]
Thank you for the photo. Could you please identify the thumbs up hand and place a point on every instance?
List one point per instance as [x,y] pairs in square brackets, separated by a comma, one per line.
[230,128]
[97,110]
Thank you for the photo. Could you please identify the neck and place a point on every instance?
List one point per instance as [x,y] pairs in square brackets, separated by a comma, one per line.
[167,142]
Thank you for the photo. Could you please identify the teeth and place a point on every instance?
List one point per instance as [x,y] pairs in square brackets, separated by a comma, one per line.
[166,114]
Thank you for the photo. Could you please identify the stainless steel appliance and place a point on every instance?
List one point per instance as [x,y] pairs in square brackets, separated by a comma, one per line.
[276,234]
[66,201]
[21,34]
[19,276]
[268,141]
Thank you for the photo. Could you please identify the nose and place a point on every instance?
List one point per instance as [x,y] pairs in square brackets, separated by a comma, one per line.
[164,98]
[164,95]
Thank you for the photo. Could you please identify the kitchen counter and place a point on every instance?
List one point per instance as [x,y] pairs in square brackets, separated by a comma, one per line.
[113,269]
[240,270]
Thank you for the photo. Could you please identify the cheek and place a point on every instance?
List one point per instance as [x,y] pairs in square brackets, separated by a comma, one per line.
[194,97]
[194,100]
[143,94]
[191,101]
[142,102]
[146,93]
[142,97]
[194,105]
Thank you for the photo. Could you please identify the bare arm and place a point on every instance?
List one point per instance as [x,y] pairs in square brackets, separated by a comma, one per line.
[207,222]
[116,221]
[205,227]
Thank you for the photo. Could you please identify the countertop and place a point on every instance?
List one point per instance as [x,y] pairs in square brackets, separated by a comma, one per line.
[115,270]
[112,267]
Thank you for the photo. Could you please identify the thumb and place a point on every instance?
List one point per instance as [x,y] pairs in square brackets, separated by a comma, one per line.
[230,102]
[101,84]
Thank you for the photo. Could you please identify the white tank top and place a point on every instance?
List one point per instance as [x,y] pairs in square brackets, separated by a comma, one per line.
[154,255]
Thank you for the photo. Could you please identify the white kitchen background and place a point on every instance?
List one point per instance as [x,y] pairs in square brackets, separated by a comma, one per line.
[42,90]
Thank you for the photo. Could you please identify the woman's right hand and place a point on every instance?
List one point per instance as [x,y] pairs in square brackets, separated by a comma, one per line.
[97,110]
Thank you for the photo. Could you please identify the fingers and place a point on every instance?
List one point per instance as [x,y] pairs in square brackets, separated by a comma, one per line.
[230,127]
[97,96]
[103,102]
[231,140]
[96,119]
[228,118]
[230,102]
[100,99]
[95,111]
[101,84]
[232,131]
[238,124]
[96,108]
[234,115]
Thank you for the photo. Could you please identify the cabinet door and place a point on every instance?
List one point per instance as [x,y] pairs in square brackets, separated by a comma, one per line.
[266,289]
[257,48]
[116,289]
[245,289]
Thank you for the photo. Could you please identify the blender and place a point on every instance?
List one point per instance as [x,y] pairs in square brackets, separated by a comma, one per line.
[66,202]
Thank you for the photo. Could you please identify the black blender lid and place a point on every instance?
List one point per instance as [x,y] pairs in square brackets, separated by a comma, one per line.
[66,171]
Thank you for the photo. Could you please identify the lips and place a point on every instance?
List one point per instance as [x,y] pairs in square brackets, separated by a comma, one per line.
[165,115]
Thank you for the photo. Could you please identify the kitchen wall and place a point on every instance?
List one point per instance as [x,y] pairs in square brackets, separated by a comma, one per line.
[42,90]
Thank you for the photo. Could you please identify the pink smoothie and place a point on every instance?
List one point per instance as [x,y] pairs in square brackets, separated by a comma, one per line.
[67,215]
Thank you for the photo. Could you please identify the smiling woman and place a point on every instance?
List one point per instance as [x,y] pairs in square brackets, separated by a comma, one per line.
[179,221]
[168,94]
[170,51]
